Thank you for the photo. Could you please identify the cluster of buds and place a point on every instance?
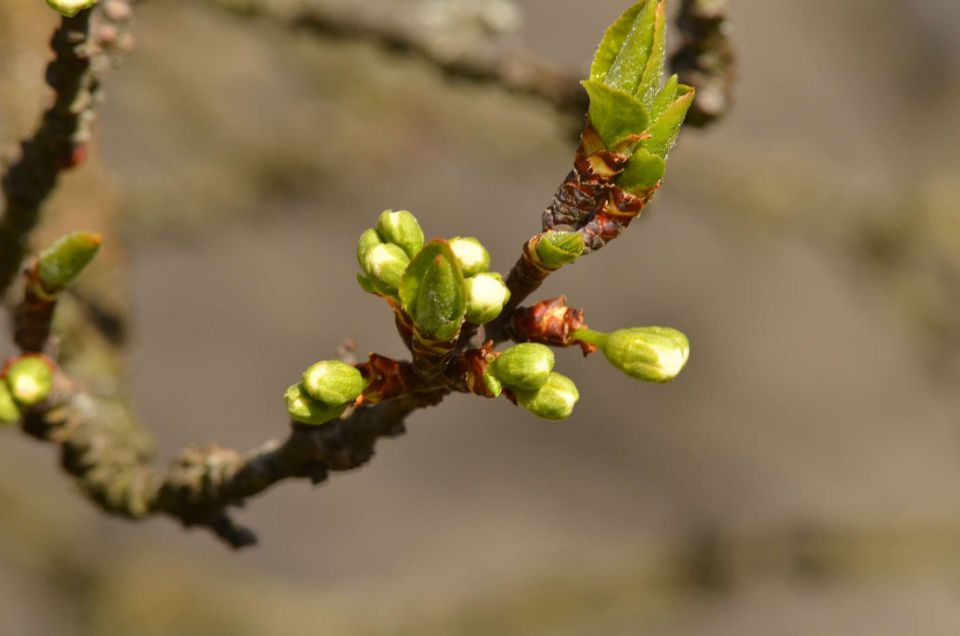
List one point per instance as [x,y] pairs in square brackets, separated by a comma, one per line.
[325,392]
[24,382]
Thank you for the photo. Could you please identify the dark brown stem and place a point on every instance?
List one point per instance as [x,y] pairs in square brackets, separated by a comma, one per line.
[85,46]
[706,59]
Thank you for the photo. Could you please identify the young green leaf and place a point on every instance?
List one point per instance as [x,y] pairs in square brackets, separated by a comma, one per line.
[653,71]
[664,131]
[643,170]
[615,114]
[628,66]
[666,96]
[612,42]
[64,260]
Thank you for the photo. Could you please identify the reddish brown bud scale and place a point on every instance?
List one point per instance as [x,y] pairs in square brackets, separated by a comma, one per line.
[34,316]
[470,368]
[387,379]
[550,322]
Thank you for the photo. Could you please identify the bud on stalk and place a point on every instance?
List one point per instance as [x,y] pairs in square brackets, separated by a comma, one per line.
[552,401]
[30,379]
[486,296]
[333,382]
[384,265]
[306,410]
[651,354]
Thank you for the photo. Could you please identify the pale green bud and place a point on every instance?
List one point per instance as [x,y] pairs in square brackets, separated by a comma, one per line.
[556,249]
[333,382]
[305,409]
[385,264]
[370,238]
[552,401]
[64,260]
[30,380]
[433,292]
[494,386]
[471,254]
[9,411]
[402,229]
[70,8]
[651,354]
[525,366]
[486,296]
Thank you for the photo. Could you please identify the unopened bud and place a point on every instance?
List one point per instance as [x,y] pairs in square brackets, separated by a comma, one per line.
[9,412]
[556,249]
[384,264]
[493,385]
[552,401]
[525,367]
[402,229]
[433,292]
[30,379]
[333,382]
[651,354]
[471,254]
[370,238]
[486,296]
[70,8]
[305,409]
[64,260]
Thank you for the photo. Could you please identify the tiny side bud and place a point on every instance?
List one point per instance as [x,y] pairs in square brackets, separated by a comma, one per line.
[306,410]
[552,401]
[333,382]
[30,379]
[556,249]
[66,259]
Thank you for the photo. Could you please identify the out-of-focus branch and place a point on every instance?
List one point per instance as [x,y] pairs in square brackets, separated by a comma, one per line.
[85,47]
[514,69]
[706,59]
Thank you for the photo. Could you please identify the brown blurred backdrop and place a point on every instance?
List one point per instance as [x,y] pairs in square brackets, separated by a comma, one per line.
[801,478]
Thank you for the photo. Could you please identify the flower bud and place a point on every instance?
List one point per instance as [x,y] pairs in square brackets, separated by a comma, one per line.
[64,260]
[384,264]
[370,238]
[333,382]
[402,229]
[70,8]
[433,292]
[486,296]
[524,367]
[30,379]
[651,354]
[556,249]
[9,412]
[305,409]
[552,401]
[471,254]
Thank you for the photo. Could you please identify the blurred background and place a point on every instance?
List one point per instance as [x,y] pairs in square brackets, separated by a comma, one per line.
[802,477]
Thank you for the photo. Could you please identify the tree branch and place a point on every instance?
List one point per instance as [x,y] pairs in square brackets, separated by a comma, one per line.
[85,47]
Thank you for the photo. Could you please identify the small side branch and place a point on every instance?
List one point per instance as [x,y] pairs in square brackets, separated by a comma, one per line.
[85,47]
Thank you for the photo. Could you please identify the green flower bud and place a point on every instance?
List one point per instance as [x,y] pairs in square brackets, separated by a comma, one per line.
[30,380]
[64,260]
[385,264]
[333,382]
[9,412]
[433,292]
[471,254]
[524,367]
[370,238]
[305,409]
[556,249]
[486,296]
[552,401]
[402,229]
[651,354]
[70,8]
